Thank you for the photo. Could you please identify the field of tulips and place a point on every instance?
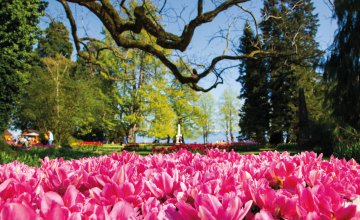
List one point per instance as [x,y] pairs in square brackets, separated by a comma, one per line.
[183,185]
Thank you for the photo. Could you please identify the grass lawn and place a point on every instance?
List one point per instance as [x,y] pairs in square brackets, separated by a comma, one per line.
[32,156]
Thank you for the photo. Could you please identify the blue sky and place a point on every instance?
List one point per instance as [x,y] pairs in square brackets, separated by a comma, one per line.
[200,48]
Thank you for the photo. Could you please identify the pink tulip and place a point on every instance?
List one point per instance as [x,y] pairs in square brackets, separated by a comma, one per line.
[345,212]
[17,211]
[73,199]
[161,184]
[209,207]
[187,211]
[263,215]
[123,210]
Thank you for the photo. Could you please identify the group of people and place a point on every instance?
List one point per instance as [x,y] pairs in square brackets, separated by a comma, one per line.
[27,141]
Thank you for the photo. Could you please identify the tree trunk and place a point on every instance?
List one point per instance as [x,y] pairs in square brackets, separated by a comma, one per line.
[204,137]
[303,136]
[132,133]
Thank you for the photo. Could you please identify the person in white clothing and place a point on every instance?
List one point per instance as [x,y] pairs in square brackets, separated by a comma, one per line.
[50,137]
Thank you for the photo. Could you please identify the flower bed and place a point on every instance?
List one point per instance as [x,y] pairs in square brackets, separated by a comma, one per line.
[40,145]
[202,148]
[182,185]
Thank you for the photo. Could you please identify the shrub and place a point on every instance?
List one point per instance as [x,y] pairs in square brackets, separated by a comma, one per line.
[131,147]
[288,146]
[348,150]
[348,143]
[242,146]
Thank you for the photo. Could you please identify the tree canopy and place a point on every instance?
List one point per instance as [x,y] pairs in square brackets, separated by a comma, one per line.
[18,31]
[56,41]
[229,108]
[294,34]
[255,113]
[342,69]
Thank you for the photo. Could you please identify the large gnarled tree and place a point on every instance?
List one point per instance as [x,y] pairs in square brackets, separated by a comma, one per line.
[124,17]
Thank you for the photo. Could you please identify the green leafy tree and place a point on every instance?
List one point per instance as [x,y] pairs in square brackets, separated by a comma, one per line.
[50,102]
[18,31]
[60,95]
[130,74]
[161,116]
[342,70]
[255,112]
[184,102]
[206,107]
[100,108]
[149,101]
[229,108]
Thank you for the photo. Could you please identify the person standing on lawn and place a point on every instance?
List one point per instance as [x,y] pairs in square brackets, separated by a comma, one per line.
[50,137]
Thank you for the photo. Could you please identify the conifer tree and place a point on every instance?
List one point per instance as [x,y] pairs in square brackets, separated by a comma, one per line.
[290,28]
[254,114]
[55,41]
[342,69]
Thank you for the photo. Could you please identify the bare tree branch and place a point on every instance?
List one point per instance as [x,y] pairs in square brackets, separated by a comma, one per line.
[127,12]
[200,7]
[72,24]
[254,19]
[162,7]
[330,4]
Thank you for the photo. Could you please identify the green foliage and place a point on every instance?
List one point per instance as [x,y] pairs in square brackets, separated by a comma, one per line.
[98,106]
[50,102]
[163,120]
[146,99]
[288,146]
[348,150]
[61,94]
[245,147]
[56,41]
[294,34]
[229,108]
[206,107]
[322,135]
[342,70]
[133,78]
[255,113]
[18,31]
[184,102]
[32,157]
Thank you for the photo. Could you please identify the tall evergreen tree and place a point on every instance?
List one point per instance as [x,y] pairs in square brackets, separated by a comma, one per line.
[55,41]
[342,69]
[254,114]
[290,27]
[18,30]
